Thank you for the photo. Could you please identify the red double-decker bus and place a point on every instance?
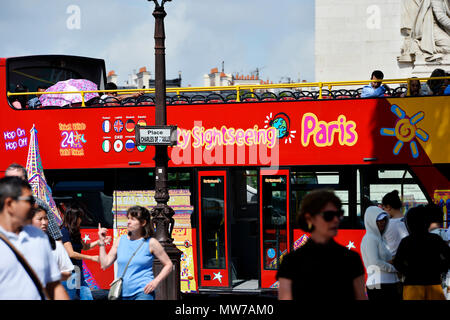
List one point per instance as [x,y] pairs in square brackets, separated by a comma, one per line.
[243,162]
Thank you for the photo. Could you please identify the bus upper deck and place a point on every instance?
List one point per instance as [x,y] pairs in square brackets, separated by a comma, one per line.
[33,72]
[245,157]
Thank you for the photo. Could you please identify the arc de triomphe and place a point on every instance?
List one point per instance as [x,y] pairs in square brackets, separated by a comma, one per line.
[402,38]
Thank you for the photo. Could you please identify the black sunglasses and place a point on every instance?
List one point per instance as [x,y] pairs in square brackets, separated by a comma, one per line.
[29,199]
[330,214]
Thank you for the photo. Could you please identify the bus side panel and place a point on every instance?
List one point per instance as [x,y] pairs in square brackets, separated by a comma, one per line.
[194,251]
[104,137]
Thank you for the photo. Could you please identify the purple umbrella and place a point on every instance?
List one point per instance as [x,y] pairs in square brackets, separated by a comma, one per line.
[61,99]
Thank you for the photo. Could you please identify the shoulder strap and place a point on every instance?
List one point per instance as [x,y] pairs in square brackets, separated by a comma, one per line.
[125,270]
[26,266]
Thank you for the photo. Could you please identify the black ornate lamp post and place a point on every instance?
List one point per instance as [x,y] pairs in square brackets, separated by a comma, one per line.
[162,214]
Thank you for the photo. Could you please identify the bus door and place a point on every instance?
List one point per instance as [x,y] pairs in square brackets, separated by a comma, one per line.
[213,242]
[274,222]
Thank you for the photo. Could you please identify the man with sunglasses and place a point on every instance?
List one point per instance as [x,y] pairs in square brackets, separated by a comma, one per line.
[16,201]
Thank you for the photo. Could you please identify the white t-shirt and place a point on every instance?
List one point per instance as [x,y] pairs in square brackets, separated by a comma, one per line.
[62,258]
[15,283]
[394,233]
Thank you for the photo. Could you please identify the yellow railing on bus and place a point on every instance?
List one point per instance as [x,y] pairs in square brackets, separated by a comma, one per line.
[242,87]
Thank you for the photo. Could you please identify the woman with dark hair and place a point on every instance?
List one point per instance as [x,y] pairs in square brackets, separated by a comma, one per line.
[139,282]
[71,238]
[39,219]
[396,229]
[321,268]
[382,279]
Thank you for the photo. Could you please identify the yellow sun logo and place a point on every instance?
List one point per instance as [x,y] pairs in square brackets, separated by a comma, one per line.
[406,130]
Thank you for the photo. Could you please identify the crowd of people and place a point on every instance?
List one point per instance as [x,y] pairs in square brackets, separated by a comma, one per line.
[41,260]
[432,87]
[403,257]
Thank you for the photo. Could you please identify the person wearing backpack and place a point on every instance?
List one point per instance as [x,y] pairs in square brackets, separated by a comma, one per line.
[422,257]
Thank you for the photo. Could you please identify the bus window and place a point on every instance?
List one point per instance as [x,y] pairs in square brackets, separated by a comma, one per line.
[135,179]
[44,71]
[339,179]
[332,178]
[91,188]
[245,193]
[393,174]
[252,186]
[343,195]
[180,180]
[303,182]
[274,195]
[90,196]
[358,194]
[376,183]
[213,222]
[327,177]
[244,223]
[34,77]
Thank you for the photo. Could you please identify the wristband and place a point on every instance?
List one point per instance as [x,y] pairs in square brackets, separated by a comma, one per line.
[101,244]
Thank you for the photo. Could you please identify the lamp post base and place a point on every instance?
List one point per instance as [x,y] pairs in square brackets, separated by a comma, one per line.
[170,287]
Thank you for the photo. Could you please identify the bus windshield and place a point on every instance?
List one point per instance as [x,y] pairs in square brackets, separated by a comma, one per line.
[44,71]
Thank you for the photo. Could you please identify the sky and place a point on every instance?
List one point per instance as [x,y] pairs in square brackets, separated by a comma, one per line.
[277,37]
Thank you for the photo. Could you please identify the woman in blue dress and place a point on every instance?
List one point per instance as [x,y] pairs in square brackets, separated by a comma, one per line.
[139,282]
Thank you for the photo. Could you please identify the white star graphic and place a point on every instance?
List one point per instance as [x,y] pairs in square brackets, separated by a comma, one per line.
[86,238]
[218,276]
[351,245]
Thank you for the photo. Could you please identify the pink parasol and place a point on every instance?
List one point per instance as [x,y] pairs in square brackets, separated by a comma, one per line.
[61,99]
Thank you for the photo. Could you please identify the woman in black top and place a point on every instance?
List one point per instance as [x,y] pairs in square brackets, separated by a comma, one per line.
[321,268]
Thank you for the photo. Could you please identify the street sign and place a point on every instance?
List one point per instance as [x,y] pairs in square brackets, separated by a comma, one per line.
[156,135]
